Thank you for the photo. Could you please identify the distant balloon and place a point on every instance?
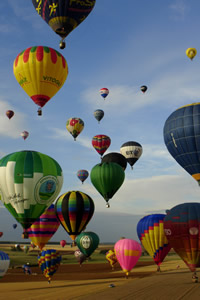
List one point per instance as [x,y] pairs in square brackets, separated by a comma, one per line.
[4,263]
[24,135]
[127,252]
[111,258]
[74,210]
[49,262]
[63,243]
[143,88]
[181,136]
[115,157]
[131,151]
[104,92]
[80,256]
[42,230]
[82,175]
[98,114]
[41,72]
[150,230]
[63,16]
[29,182]
[1,233]
[191,53]
[10,114]
[101,143]
[14,226]
[87,242]
[75,126]
[107,178]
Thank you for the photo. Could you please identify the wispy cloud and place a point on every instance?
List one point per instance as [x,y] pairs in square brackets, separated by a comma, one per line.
[179,9]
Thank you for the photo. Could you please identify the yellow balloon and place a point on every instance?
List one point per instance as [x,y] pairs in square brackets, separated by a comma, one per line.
[191,53]
[41,72]
[75,126]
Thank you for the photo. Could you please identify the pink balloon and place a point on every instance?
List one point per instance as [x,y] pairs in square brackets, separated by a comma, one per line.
[63,243]
[127,252]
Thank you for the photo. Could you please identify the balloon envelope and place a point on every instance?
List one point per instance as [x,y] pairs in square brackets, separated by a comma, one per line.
[104,92]
[181,226]
[82,175]
[80,257]
[127,252]
[4,263]
[74,210]
[111,258]
[116,158]
[150,230]
[181,135]
[10,114]
[75,126]
[98,114]
[63,243]
[49,262]
[24,135]
[191,53]
[143,88]
[42,230]
[131,151]
[101,143]
[29,182]
[87,242]
[41,72]
[1,233]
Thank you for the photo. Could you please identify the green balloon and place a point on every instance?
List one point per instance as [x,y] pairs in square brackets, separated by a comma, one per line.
[87,242]
[29,183]
[107,178]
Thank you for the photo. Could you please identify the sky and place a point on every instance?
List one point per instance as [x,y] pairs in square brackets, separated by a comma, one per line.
[120,47]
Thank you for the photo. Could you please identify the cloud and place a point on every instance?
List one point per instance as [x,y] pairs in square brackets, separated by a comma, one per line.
[179,9]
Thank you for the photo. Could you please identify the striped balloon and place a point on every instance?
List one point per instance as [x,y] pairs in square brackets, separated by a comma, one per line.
[74,210]
[49,262]
[29,183]
[82,175]
[111,258]
[4,263]
[104,92]
[101,143]
[42,230]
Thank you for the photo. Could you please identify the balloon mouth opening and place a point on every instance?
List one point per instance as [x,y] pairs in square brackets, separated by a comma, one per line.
[40,100]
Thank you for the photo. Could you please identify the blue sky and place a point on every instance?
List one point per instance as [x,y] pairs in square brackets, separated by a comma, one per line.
[120,47]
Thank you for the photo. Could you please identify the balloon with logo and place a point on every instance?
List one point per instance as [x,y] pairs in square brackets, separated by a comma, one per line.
[41,71]
[150,231]
[42,230]
[181,136]
[80,257]
[191,53]
[116,158]
[10,114]
[74,210]
[101,143]
[63,16]
[63,243]
[104,92]
[98,114]
[87,242]
[181,225]
[29,182]
[24,134]
[127,252]
[4,263]
[49,262]
[107,178]
[111,258]
[75,126]
[131,151]
[82,175]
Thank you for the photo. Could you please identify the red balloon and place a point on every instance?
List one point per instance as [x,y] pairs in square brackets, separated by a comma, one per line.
[101,143]
[63,243]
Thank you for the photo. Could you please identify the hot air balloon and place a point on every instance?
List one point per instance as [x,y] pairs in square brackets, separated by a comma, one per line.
[151,233]
[82,175]
[10,114]
[98,114]
[127,252]
[191,53]
[63,243]
[41,72]
[63,16]
[14,226]
[80,257]
[181,136]
[104,92]
[1,233]
[4,263]
[49,262]
[107,178]
[132,151]
[181,226]
[87,242]
[75,126]
[111,258]
[29,182]
[24,135]
[143,88]
[101,143]
[115,157]
[42,230]
[74,210]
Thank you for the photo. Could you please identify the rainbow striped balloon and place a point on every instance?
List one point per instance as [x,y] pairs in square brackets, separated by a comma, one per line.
[49,262]
[44,228]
